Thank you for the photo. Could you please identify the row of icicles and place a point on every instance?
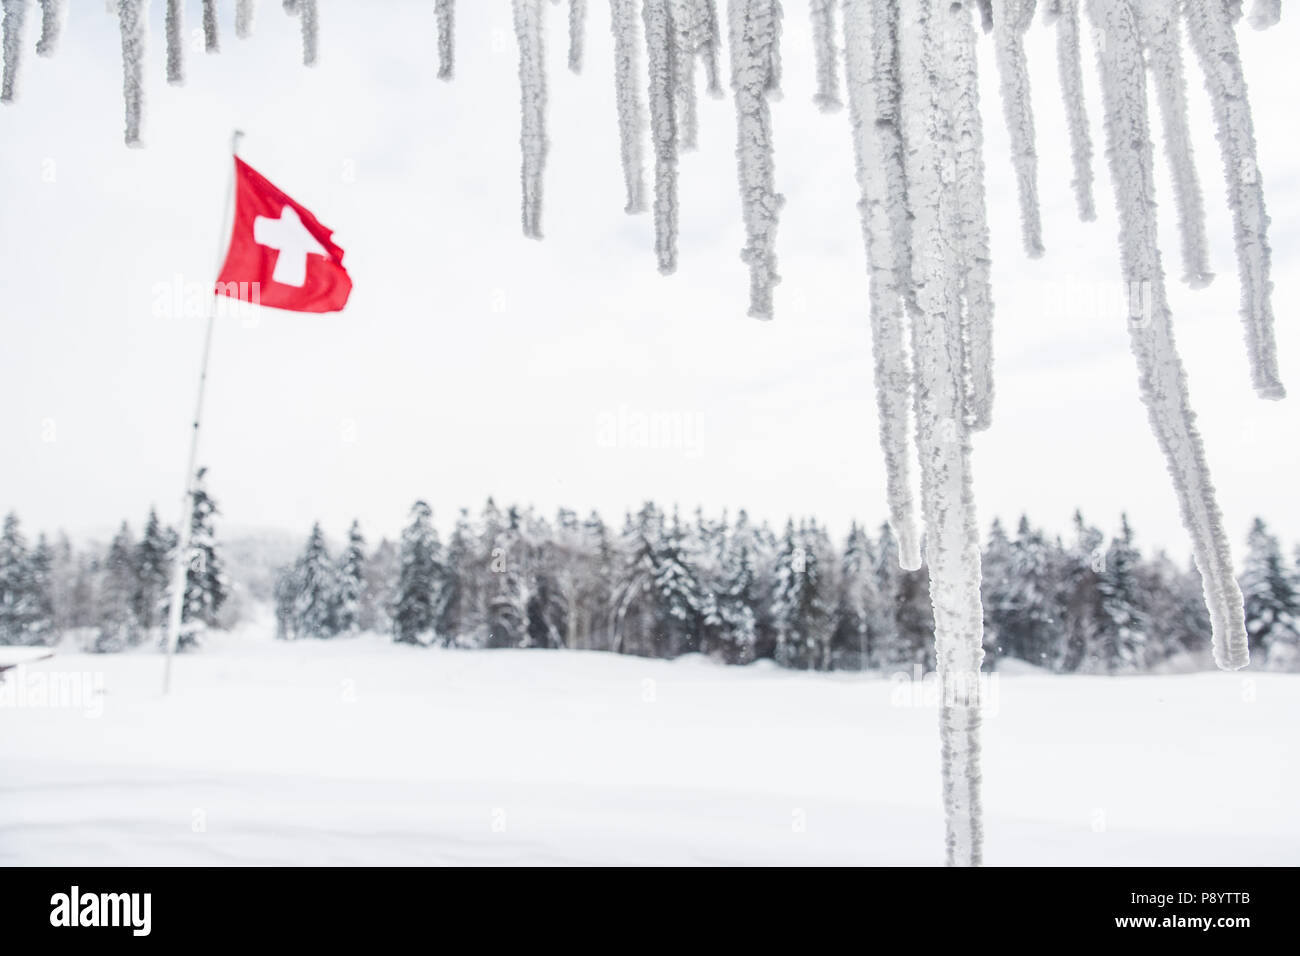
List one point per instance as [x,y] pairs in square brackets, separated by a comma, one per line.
[908,72]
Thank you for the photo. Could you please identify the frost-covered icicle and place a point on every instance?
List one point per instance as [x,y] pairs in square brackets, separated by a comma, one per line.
[532,102]
[682,15]
[755,27]
[870,67]
[1069,66]
[211,42]
[577,28]
[631,115]
[14,13]
[1158,21]
[444,12]
[52,14]
[1215,42]
[1161,376]
[986,14]
[943,440]
[1011,18]
[132,22]
[310,17]
[659,43]
[827,96]
[174,28]
[972,221]
[1265,13]
[710,44]
[244,12]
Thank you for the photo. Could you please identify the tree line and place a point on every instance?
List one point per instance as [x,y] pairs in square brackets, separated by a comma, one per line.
[661,585]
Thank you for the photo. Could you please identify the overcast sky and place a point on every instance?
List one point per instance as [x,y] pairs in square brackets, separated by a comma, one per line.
[472,361]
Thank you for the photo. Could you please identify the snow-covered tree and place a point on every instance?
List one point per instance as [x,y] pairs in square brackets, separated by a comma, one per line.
[153,556]
[1272,600]
[350,597]
[1124,624]
[419,581]
[118,626]
[316,599]
[22,615]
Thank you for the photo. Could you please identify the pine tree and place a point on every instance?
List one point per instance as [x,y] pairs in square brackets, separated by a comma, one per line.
[316,600]
[419,581]
[42,577]
[740,592]
[460,616]
[206,587]
[678,591]
[1272,601]
[1080,598]
[889,646]
[153,570]
[22,606]
[801,605]
[118,626]
[350,596]
[1124,622]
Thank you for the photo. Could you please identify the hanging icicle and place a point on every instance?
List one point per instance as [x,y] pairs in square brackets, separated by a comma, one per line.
[1069,64]
[1265,13]
[871,74]
[444,12]
[827,96]
[756,75]
[710,45]
[132,23]
[14,13]
[310,17]
[244,13]
[1215,42]
[682,15]
[210,40]
[577,29]
[174,28]
[926,49]
[972,220]
[1158,21]
[532,99]
[659,43]
[624,24]
[1163,381]
[1011,18]
[52,15]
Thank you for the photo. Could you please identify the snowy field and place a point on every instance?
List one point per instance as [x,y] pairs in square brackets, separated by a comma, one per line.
[360,751]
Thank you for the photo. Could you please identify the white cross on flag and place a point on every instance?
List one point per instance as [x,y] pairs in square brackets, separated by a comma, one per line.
[281,250]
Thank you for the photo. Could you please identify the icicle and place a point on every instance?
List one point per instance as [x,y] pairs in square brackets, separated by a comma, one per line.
[244,11]
[1158,21]
[870,66]
[986,15]
[210,44]
[444,12]
[577,24]
[310,17]
[133,24]
[532,93]
[52,14]
[951,537]
[627,97]
[1215,43]
[710,43]
[14,12]
[1265,13]
[659,39]
[174,27]
[972,221]
[827,96]
[756,75]
[681,15]
[1011,18]
[1162,378]
[1069,64]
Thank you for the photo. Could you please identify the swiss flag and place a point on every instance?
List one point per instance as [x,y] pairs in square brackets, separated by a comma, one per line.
[280,254]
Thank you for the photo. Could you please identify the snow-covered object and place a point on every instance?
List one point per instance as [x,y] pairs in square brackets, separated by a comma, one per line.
[532,99]
[1162,378]
[52,16]
[444,13]
[211,42]
[710,44]
[577,29]
[659,43]
[1215,42]
[870,66]
[244,13]
[755,27]
[133,25]
[826,53]
[15,11]
[625,25]
[1158,21]
[1064,14]
[1265,13]
[929,41]
[1011,18]
[682,15]
[310,17]
[174,28]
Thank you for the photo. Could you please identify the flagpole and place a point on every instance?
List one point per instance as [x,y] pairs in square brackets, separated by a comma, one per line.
[181,563]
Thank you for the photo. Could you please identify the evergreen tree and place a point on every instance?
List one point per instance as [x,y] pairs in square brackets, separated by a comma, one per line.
[1272,601]
[316,598]
[801,603]
[351,583]
[153,570]
[740,597]
[380,593]
[206,587]
[1124,623]
[1079,597]
[22,606]
[42,577]
[419,581]
[118,626]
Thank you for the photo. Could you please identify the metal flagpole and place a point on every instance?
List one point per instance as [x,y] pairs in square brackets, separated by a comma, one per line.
[181,564]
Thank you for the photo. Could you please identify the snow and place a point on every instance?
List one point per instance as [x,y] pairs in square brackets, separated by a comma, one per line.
[362,751]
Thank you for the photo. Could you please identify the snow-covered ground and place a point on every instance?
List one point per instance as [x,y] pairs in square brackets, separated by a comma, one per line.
[359,751]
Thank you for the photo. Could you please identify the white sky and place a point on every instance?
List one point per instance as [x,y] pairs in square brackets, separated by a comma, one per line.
[471,361]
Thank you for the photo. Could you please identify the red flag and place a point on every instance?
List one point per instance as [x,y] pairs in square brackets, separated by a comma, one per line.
[280,254]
